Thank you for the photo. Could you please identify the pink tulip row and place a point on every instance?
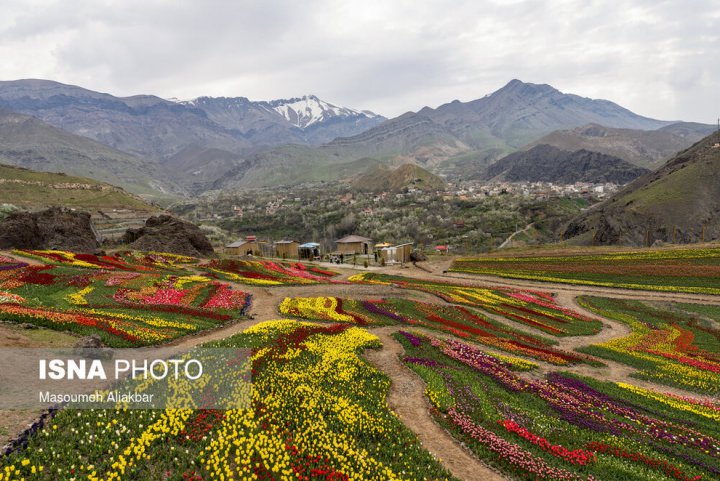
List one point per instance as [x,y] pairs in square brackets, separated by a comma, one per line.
[522,460]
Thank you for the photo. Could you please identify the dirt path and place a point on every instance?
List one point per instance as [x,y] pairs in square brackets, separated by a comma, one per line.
[611,329]
[507,241]
[407,399]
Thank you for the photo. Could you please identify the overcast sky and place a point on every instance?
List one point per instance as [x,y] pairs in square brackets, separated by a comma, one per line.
[657,58]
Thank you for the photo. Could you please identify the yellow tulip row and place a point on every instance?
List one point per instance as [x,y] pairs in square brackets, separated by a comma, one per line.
[325,308]
[78,298]
[674,401]
[295,390]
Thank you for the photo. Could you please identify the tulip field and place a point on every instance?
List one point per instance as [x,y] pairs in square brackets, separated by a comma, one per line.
[536,309]
[318,412]
[455,320]
[394,374]
[673,347]
[562,426]
[268,273]
[686,269]
[128,303]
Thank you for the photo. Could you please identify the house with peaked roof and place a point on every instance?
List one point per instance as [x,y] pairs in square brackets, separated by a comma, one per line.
[354,244]
[244,247]
[287,249]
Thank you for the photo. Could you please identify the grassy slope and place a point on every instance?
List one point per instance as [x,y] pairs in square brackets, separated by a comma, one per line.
[35,196]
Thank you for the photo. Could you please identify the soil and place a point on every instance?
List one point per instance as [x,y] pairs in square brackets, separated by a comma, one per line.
[13,336]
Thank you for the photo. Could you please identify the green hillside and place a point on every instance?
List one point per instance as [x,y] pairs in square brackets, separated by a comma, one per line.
[679,202]
[384,179]
[29,189]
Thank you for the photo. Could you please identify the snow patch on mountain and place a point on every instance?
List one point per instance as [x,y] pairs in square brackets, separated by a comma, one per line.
[307,110]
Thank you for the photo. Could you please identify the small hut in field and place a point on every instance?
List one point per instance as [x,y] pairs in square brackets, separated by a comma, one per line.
[287,249]
[244,247]
[309,250]
[354,244]
[397,254]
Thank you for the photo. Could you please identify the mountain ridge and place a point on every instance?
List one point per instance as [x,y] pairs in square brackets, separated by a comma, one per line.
[547,163]
[679,202]
[644,148]
[26,141]
[233,142]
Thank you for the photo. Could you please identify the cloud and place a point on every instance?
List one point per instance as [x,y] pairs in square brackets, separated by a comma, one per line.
[656,58]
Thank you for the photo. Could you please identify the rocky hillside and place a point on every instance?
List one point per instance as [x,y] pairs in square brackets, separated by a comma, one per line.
[679,202]
[385,179]
[54,228]
[28,142]
[644,148]
[165,233]
[545,163]
[31,189]
[111,208]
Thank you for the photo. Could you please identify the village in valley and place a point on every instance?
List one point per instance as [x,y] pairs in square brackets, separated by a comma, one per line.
[468,215]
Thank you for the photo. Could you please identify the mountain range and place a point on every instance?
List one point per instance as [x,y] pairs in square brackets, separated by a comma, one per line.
[229,143]
[148,126]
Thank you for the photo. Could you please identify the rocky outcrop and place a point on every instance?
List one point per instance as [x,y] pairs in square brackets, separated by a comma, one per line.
[545,163]
[54,228]
[165,233]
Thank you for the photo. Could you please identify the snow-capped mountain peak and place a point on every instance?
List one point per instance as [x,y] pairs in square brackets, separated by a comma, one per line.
[307,110]
[301,112]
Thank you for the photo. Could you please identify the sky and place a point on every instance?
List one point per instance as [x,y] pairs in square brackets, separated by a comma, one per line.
[657,58]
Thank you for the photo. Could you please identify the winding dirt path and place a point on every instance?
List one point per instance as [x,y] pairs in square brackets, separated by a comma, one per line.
[407,399]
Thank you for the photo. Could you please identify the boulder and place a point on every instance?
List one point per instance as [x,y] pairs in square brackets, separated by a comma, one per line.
[165,233]
[417,256]
[92,347]
[54,228]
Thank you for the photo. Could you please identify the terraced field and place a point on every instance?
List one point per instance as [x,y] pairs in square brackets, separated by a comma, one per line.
[679,269]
